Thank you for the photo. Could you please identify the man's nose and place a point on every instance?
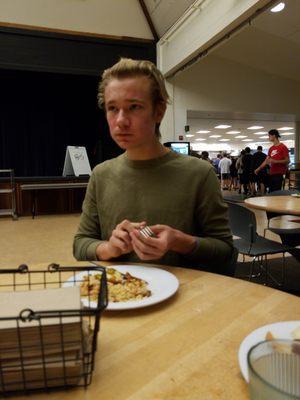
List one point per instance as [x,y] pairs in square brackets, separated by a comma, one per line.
[122,118]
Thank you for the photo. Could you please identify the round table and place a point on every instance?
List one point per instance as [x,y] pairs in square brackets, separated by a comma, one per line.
[185,347]
[277,204]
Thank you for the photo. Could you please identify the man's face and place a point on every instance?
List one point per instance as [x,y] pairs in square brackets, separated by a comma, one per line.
[130,113]
[272,138]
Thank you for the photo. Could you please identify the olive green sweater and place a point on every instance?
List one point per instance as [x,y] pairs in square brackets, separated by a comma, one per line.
[176,190]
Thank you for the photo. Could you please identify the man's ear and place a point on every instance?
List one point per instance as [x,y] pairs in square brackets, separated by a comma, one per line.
[160,111]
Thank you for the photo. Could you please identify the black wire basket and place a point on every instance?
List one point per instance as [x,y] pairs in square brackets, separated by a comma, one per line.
[52,349]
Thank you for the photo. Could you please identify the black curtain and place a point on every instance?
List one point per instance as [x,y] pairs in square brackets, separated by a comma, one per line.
[42,113]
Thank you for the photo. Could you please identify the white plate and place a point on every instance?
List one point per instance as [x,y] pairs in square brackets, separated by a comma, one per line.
[295,194]
[162,284]
[280,330]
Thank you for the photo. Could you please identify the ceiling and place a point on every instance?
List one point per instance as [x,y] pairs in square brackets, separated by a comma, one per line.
[271,43]
[164,13]
[250,137]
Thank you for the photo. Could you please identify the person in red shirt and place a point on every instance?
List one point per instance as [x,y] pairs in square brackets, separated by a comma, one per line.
[278,160]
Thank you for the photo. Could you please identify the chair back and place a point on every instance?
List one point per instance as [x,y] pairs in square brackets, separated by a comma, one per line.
[242,222]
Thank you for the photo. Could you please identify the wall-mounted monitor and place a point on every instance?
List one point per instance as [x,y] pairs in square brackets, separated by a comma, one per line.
[179,147]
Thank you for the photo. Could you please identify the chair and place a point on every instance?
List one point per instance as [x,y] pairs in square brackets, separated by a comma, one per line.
[271,215]
[249,243]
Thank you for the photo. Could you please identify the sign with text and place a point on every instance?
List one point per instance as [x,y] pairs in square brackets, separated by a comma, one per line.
[76,162]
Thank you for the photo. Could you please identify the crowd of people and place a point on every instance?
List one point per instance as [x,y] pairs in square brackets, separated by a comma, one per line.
[253,174]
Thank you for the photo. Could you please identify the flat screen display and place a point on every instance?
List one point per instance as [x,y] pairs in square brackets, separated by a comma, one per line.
[179,147]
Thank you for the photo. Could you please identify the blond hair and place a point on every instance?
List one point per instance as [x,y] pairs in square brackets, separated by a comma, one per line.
[128,68]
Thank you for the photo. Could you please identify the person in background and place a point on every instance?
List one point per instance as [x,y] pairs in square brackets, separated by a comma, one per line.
[233,174]
[278,160]
[216,162]
[239,167]
[224,166]
[247,175]
[177,196]
[262,176]
[205,156]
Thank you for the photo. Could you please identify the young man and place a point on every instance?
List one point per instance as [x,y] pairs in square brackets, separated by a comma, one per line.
[177,196]
[224,166]
[278,159]
[262,176]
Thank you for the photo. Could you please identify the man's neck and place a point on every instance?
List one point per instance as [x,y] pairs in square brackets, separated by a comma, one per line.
[155,151]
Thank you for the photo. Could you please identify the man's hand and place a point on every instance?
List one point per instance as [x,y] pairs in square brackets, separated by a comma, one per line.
[149,248]
[120,241]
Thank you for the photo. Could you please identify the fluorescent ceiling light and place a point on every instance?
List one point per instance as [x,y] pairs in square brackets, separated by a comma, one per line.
[240,136]
[259,133]
[285,128]
[287,134]
[264,137]
[200,139]
[203,131]
[232,132]
[215,136]
[189,135]
[224,140]
[247,140]
[280,6]
[255,127]
[222,126]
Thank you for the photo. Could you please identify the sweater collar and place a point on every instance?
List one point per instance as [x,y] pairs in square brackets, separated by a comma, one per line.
[154,162]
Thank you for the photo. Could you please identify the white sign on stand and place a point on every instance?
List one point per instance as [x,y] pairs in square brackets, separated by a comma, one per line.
[76,162]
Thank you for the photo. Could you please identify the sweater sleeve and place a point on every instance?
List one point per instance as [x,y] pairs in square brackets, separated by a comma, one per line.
[88,235]
[215,240]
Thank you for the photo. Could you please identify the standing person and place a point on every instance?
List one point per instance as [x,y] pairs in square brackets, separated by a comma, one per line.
[205,156]
[239,167]
[177,196]
[224,166]
[247,175]
[233,174]
[278,159]
[216,162]
[261,177]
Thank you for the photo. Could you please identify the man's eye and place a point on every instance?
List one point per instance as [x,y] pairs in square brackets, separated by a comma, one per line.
[111,109]
[135,107]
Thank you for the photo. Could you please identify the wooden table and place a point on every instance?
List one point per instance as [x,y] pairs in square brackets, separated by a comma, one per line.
[185,347]
[33,187]
[277,204]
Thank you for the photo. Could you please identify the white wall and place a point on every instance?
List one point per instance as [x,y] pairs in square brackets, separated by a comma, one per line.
[217,84]
[109,17]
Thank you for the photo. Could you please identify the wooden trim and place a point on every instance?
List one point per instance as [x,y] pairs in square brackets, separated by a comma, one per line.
[149,20]
[74,33]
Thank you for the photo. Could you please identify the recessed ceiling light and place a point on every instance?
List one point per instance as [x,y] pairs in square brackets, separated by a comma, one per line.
[203,131]
[222,126]
[255,127]
[260,133]
[247,140]
[264,137]
[280,6]
[224,140]
[189,135]
[240,136]
[287,134]
[285,128]
[200,139]
[232,132]
[215,136]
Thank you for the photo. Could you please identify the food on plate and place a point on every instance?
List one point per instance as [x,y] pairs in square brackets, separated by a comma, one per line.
[283,348]
[121,287]
[295,334]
